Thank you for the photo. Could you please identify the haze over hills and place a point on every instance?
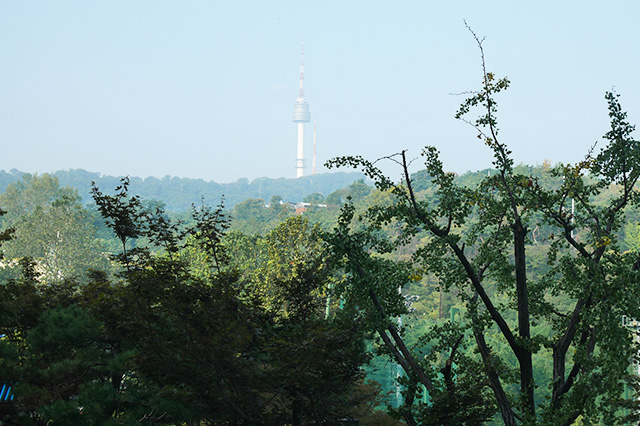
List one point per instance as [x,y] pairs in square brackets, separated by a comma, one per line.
[178,194]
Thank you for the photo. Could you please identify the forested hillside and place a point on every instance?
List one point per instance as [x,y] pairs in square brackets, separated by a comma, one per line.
[178,194]
[106,274]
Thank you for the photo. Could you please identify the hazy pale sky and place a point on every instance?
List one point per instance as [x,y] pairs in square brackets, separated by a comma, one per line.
[205,89]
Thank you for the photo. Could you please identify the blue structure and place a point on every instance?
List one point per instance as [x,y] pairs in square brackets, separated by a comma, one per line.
[6,395]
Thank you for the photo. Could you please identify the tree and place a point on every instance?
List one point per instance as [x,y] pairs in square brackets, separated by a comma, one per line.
[254,216]
[21,198]
[51,227]
[123,214]
[67,365]
[356,191]
[314,198]
[289,273]
[478,243]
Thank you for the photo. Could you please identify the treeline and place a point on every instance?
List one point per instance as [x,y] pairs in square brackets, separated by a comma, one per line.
[191,326]
[114,313]
[178,194]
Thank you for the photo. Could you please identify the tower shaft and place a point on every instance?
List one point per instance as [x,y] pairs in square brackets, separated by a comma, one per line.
[300,156]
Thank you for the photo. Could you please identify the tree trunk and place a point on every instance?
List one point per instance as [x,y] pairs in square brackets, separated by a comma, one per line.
[494,380]
[524,326]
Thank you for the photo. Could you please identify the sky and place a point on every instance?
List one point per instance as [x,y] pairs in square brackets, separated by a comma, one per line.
[205,89]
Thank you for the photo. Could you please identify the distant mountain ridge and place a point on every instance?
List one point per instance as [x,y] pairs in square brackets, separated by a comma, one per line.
[178,194]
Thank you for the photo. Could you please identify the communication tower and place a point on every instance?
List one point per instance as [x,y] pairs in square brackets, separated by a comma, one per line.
[301,115]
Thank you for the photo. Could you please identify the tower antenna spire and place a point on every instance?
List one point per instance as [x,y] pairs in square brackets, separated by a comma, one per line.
[301,91]
[301,115]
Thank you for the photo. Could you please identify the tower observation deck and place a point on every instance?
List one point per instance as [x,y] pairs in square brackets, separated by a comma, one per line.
[301,115]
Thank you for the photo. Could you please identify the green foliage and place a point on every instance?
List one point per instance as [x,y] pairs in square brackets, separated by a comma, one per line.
[287,269]
[526,304]
[255,216]
[22,197]
[180,336]
[632,237]
[5,235]
[314,198]
[51,227]
[354,192]
[123,215]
